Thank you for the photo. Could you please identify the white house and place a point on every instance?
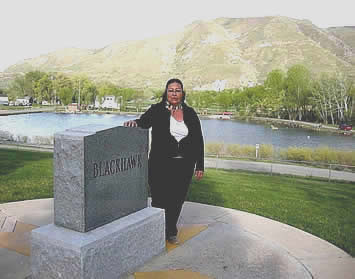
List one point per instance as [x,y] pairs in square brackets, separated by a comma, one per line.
[4,100]
[108,102]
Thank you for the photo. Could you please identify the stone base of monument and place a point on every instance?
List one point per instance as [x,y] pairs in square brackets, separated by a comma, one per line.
[110,251]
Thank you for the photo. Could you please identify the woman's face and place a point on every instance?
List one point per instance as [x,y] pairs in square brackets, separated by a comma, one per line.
[174,93]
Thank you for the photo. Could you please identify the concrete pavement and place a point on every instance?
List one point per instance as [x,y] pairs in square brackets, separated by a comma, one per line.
[279,168]
[235,244]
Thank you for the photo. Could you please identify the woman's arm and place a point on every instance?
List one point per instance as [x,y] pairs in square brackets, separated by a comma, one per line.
[145,121]
[198,142]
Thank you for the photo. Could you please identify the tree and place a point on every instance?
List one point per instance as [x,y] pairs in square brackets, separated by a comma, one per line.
[17,88]
[342,97]
[65,94]
[275,91]
[253,98]
[332,97]
[297,93]
[31,78]
[320,97]
[224,99]
[43,88]
[63,87]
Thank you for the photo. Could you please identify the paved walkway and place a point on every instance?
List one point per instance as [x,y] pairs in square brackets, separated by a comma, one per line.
[279,168]
[235,244]
[25,111]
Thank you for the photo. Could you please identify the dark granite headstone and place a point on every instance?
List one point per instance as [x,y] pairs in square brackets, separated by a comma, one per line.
[100,175]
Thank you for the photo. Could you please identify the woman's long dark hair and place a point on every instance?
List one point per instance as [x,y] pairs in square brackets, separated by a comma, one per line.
[165,94]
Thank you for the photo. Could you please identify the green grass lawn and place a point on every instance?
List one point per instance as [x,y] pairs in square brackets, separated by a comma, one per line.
[25,175]
[325,209]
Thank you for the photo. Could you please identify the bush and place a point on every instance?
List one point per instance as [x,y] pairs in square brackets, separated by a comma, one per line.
[266,151]
[234,150]
[214,148]
[346,157]
[237,150]
[248,150]
[297,154]
[325,155]
[320,155]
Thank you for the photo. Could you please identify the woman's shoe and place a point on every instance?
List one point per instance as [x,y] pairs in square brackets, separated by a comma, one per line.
[173,240]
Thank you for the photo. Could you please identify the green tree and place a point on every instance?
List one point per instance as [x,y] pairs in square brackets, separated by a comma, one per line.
[31,78]
[332,98]
[275,91]
[63,88]
[298,90]
[43,88]
[224,99]
[252,98]
[65,94]
[17,88]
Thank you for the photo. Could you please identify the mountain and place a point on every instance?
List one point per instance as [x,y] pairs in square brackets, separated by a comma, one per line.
[221,53]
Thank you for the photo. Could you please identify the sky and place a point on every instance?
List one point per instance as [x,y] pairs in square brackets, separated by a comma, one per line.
[29,28]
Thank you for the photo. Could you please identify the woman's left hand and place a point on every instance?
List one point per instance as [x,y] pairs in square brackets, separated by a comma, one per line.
[198,174]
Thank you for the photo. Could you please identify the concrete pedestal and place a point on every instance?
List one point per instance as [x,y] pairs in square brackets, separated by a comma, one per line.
[109,251]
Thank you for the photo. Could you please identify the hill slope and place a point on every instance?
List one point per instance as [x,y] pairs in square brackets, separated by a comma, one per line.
[225,52]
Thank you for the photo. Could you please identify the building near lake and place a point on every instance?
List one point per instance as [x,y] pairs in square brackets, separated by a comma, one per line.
[108,102]
[4,100]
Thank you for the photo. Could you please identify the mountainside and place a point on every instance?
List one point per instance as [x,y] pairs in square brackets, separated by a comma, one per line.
[346,34]
[217,54]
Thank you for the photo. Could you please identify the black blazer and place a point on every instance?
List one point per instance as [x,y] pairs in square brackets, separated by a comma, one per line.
[163,144]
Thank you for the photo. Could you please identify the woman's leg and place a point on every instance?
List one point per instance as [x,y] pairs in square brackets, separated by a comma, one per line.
[169,182]
[178,188]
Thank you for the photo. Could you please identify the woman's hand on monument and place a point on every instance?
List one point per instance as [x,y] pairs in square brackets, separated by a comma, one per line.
[130,123]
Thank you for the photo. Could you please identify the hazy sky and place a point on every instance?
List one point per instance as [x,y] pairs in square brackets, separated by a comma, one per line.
[29,28]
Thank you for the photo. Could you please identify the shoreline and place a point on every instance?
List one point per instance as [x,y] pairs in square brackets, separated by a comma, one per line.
[297,124]
[264,120]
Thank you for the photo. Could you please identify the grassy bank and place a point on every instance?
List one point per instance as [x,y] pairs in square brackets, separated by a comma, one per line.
[325,209]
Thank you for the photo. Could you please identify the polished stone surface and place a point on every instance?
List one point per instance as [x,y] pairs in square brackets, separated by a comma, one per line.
[100,175]
[109,251]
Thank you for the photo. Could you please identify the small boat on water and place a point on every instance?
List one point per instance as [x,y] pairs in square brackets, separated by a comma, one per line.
[274,127]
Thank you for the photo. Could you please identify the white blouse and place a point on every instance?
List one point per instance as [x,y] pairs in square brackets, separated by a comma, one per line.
[178,129]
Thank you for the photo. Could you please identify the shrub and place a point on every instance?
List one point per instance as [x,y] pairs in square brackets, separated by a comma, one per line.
[346,157]
[234,150]
[325,155]
[214,148]
[297,154]
[248,150]
[266,151]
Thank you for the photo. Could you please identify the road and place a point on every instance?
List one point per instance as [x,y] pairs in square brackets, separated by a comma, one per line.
[279,168]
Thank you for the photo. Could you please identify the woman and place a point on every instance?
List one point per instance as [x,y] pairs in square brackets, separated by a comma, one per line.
[177,151]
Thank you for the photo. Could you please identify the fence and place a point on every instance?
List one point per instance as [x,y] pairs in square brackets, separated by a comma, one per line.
[299,168]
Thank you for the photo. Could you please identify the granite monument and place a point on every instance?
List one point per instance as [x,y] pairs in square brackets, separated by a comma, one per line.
[102,225]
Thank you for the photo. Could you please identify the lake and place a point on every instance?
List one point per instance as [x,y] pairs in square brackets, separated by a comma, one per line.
[34,126]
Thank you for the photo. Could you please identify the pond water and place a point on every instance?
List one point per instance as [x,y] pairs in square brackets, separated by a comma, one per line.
[39,127]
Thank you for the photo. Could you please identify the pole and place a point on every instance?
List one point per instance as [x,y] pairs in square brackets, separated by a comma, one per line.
[79,95]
